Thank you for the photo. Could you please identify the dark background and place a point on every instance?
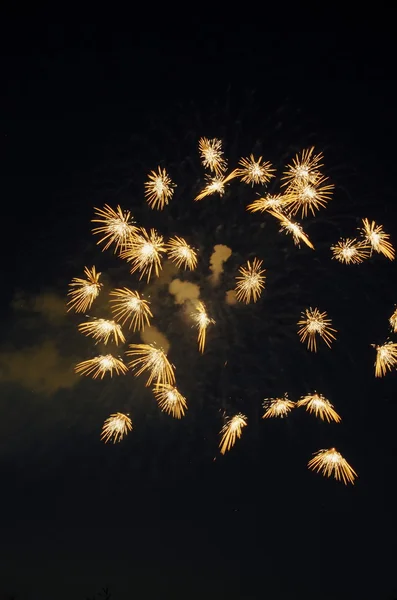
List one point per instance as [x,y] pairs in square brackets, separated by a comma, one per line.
[86,112]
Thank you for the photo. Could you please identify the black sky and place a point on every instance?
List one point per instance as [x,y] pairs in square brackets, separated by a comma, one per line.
[83,110]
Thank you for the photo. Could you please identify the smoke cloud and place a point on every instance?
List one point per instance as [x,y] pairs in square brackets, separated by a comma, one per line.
[151,335]
[220,255]
[184,291]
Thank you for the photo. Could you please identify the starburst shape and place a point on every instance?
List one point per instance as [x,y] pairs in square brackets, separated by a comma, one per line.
[255,172]
[103,330]
[211,155]
[154,361]
[127,305]
[315,323]
[293,228]
[202,321]
[304,169]
[250,282]
[144,252]
[117,227]
[100,365]
[179,251]
[331,463]
[308,197]
[277,407]
[320,407]
[159,189]
[393,321]
[350,251]
[386,358]
[84,291]
[377,239]
[170,400]
[116,427]
[269,202]
[231,431]
[216,185]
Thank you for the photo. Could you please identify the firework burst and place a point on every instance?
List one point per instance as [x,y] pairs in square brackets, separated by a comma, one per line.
[293,228]
[84,291]
[320,406]
[332,464]
[255,172]
[377,239]
[250,282]
[170,400]
[269,202]
[117,227]
[100,365]
[304,169]
[144,252]
[393,321]
[350,251]
[128,305]
[231,431]
[308,197]
[315,323]
[103,330]
[202,321]
[159,189]
[386,358]
[116,426]
[212,156]
[181,253]
[216,185]
[151,359]
[277,407]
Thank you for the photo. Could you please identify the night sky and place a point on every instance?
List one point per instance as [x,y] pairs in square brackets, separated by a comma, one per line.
[86,113]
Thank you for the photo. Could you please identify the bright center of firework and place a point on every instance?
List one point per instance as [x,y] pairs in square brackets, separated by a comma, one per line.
[106,363]
[172,396]
[118,227]
[308,193]
[348,252]
[314,326]
[273,202]
[147,250]
[216,186]
[255,170]
[374,238]
[133,304]
[159,185]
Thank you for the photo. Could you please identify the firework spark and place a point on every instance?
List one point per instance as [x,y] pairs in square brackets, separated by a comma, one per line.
[212,156]
[393,321]
[386,358]
[255,171]
[100,365]
[170,400]
[181,253]
[350,251]
[269,202]
[216,185]
[117,227]
[331,463]
[307,197]
[314,322]
[231,431]
[144,252]
[159,189]
[128,305]
[103,330]
[250,282]
[320,406]
[294,229]
[277,407]
[377,239]
[202,321]
[151,359]
[304,169]
[116,427]
[84,291]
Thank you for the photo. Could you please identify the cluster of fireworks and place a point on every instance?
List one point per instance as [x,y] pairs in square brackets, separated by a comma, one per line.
[304,190]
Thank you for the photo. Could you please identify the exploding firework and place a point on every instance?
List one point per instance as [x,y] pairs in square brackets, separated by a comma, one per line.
[332,464]
[304,169]
[320,406]
[128,305]
[84,291]
[151,359]
[100,365]
[231,431]
[212,156]
[159,189]
[117,227]
[216,185]
[308,197]
[269,202]
[144,252]
[386,358]
[255,171]
[170,400]
[393,321]
[293,228]
[250,282]
[377,239]
[315,323]
[350,251]
[103,330]
[277,407]
[116,426]
[181,253]
[202,321]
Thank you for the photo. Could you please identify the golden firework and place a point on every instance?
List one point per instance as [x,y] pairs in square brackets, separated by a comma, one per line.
[377,239]
[293,228]
[320,406]
[100,365]
[170,400]
[84,291]
[128,305]
[144,252]
[255,171]
[117,227]
[277,407]
[304,169]
[250,282]
[331,463]
[315,323]
[151,359]
[386,358]
[350,251]
[181,253]
[211,155]
[116,427]
[202,321]
[216,185]
[159,189]
[103,330]
[393,321]
[307,197]
[231,431]
[269,202]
